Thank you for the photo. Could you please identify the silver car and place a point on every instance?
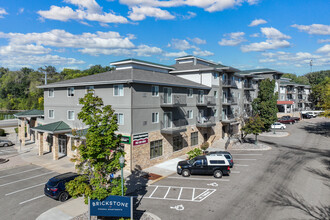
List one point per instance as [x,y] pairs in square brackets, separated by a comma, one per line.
[5,143]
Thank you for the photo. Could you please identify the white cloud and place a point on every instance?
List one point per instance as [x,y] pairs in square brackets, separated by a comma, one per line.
[324,49]
[202,53]
[20,11]
[2,12]
[320,41]
[257,22]
[318,29]
[146,51]
[197,40]
[232,39]
[90,5]
[272,33]
[255,35]
[140,13]
[189,15]
[180,44]
[23,49]
[175,54]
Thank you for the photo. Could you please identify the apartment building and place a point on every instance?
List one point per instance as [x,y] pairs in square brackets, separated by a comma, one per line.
[163,111]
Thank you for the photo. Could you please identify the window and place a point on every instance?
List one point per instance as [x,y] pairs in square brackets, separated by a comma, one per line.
[215,112]
[155,90]
[190,93]
[217,162]
[215,93]
[70,91]
[177,143]
[190,114]
[51,93]
[156,148]
[50,113]
[120,118]
[118,90]
[215,75]
[239,95]
[70,115]
[90,89]
[155,117]
[282,97]
[194,138]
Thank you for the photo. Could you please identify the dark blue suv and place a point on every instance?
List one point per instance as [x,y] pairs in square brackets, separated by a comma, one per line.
[55,187]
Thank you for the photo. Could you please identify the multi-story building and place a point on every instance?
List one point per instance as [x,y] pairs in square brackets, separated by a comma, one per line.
[162,111]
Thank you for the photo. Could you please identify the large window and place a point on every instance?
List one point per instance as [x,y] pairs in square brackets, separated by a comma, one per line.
[120,118]
[177,143]
[155,90]
[50,113]
[51,93]
[70,91]
[70,115]
[190,93]
[155,117]
[118,90]
[156,148]
[194,138]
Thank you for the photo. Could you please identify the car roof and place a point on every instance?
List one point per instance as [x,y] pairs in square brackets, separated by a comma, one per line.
[200,157]
[63,176]
[218,152]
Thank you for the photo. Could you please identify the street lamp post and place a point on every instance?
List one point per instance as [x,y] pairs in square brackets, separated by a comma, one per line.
[122,163]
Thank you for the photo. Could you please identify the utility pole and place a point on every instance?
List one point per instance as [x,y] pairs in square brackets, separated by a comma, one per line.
[311,65]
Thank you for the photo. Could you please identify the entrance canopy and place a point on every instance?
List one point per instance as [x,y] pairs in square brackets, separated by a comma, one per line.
[53,128]
[30,113]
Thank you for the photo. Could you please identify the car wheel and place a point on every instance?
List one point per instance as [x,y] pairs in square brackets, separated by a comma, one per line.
[5,145]
[282,128]
[217,174]
[185,173]
[63,196]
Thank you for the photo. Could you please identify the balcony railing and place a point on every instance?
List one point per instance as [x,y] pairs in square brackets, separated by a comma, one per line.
[290,91]
[205,122]
[229,83]
[205,100]
[173,101]
[228,118]
[301,92]
[173,127]
[248,86]
[229,101]
[247,99]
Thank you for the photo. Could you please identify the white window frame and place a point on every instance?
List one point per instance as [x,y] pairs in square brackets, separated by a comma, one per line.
[70,91]
[155,115]
[90,88]
[51,96]
[117,114]
[53,113]
[68,114]
[156,91]
[190,93]
[190,116]
[119,87]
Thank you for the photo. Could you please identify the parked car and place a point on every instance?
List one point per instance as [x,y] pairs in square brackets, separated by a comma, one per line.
[55,187]
[307,116]
[287,117]
[5,143]
[313,114]
[278,125]
[216,165]
[286,120]
[226,154]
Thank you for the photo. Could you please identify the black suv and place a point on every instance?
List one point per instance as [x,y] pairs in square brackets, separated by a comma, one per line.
[55,187]
[216,165]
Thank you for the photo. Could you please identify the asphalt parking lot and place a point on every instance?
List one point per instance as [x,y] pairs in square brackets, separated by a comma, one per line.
[7,151]
[21,192]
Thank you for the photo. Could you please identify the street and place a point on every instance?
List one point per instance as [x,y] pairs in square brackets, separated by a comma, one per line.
[288,181]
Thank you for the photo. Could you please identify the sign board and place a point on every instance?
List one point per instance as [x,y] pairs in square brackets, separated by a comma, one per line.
[139,139]
[125,140]
[112,206]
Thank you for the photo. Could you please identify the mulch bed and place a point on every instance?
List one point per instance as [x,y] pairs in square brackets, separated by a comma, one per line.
[151,176]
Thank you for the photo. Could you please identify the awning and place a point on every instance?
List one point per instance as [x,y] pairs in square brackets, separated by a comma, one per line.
[53,128]
[29,113]
[285,102]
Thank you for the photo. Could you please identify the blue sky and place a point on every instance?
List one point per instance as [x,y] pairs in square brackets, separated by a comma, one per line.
[284,34]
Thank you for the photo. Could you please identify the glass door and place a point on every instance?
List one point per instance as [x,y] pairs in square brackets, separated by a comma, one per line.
[167,95]
[201,96]
[167,119]
[62,145]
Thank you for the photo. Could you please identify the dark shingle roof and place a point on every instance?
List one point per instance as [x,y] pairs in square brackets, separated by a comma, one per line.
[258,71]
[142,61]
[128,76]
[30,113]
[56,127]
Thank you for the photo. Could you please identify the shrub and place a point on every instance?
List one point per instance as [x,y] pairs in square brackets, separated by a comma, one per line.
[2,132]
[204,146]
[194,153]
[16,130]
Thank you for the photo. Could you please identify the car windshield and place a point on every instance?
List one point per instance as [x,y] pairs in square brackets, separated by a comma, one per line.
[52,183]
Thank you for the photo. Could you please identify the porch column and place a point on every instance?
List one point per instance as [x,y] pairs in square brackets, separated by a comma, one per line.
[41,143]
[23,132]
[55,147]
[285,108]
[45,143]
[28,130]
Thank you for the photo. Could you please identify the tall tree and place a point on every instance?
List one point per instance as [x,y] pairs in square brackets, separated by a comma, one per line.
[254,126]
[265,105]
[99,156]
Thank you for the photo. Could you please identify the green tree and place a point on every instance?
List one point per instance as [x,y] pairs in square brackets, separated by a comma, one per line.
[254,125]
[297,79]
[265,105]
[99,156]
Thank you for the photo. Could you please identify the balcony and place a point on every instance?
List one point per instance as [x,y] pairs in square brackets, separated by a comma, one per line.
[229,101]
[205,122]
[205,101]
[229,118]
[290,91]
[301,92]
[229,84]
[173,127]
[248,86]
[247,100]
[173,101]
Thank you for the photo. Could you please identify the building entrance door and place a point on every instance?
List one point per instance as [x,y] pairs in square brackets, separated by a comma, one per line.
[62,145]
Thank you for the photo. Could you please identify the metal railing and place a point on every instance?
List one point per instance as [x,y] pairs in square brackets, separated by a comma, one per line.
[230,100]
[229,83]
[248,86]
[173,124]
[205,120]
[206,100]
[174,100]
[228,117]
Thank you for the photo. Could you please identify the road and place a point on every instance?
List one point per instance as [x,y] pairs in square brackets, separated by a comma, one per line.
[289,181]
[8,123]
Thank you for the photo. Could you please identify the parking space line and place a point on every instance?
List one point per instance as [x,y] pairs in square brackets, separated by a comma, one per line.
[247,154]
[168,190]
[8,194]
[189,178]
[241,165]
[245,159]
[235,172]
[193,194]
[207,194]
[31,199]
[38,168]
[27,178]
[8,150]
[187,200]
[153,191]
[180,193]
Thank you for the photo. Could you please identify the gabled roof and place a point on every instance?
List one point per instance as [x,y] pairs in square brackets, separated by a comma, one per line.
[142,62]
[30,113]
[128,76]
[53,128]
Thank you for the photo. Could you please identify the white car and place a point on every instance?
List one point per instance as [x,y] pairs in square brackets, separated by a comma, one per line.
[278,125]
[313,114]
